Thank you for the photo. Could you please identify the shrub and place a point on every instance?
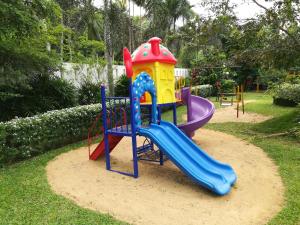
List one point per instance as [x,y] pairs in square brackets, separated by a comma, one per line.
[203,90]
[287,94]
[122,86]
[26,137]
[51,93]
[89,93]
[204,76]
[187,81]
[284,102]
[227,86]
[42,94]
[206,90]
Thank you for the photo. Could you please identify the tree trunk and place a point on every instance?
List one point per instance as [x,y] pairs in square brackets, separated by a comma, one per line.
[62,46]
[109,49]
[129,28]
[70,48]
[70,44]
[174,25]
[110,77]
[141,29]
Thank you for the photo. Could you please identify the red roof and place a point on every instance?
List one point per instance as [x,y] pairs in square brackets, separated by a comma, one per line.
[152,51]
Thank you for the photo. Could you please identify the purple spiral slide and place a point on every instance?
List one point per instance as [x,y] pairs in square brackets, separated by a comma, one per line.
[199,112]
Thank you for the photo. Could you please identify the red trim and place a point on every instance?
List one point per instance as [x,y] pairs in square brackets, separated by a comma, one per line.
[127,62]
[155,41]
[113,140]
[153,52]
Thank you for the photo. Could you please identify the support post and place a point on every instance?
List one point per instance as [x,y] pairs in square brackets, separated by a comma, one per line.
[174,114]
[106,143]
[133,135]
[161,154]
[242,98]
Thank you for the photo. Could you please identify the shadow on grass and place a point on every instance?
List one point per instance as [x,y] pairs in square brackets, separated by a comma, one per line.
[279,124]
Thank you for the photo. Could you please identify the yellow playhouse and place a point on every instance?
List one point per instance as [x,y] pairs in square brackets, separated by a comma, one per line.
[159,63]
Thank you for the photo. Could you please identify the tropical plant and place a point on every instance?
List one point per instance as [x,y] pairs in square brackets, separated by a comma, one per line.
[89,93]
[122,86]
[44,93]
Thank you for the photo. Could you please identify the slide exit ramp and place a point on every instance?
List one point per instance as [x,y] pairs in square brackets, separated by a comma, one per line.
[189,158]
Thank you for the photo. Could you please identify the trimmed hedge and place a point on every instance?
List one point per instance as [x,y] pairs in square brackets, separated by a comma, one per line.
[26,137]
[204,90]
[287,94]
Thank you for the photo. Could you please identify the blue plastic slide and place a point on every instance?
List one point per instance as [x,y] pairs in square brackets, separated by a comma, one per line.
[193,161]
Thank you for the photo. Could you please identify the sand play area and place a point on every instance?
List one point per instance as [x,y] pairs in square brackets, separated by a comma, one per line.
[228,114]
[163,194]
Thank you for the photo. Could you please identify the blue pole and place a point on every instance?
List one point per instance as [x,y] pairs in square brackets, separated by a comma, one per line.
[161,154]
[110,114]
[133,134]
[115,114]
[104,116]
[126,115]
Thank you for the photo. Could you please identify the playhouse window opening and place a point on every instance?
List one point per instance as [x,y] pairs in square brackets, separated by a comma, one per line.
[146,113]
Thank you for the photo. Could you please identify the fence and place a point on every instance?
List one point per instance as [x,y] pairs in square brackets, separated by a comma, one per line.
[77,73]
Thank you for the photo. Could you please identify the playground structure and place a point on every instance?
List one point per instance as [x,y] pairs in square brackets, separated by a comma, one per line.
[159,63]
[228,99]
[152,87]
[179,84]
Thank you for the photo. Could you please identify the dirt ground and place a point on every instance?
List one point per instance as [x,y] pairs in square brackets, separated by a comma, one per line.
[163,194]
[228,114]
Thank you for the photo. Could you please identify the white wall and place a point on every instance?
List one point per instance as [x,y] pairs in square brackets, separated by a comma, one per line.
[77,73]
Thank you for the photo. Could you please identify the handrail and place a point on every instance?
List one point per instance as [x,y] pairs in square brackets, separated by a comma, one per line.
[179,83]
[91,128]
[111,119]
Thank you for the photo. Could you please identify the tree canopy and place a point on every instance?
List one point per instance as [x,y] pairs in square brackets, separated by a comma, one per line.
[37,36]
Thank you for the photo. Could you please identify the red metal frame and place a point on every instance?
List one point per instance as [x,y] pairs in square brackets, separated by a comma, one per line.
[92,137]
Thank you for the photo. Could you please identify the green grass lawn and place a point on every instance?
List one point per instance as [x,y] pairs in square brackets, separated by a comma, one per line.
[263,105]
[286,154]
[284,150]
[180,111]
[26,197]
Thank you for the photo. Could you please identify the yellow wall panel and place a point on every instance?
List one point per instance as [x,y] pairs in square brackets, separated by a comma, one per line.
[164,79]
